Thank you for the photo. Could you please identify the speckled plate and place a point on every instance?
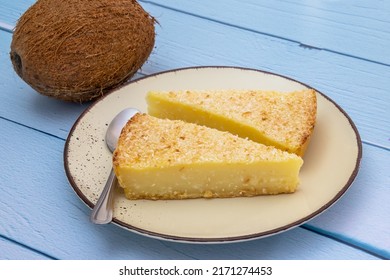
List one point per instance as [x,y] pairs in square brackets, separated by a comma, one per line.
[330,165]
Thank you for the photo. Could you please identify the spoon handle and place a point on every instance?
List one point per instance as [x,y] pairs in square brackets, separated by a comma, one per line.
[102,212]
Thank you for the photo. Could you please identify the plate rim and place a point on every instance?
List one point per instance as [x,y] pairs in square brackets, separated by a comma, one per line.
[215,240]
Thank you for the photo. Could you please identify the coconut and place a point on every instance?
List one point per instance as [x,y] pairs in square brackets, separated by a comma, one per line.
[76,50]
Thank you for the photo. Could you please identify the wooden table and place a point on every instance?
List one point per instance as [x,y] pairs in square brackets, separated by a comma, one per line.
[341,48]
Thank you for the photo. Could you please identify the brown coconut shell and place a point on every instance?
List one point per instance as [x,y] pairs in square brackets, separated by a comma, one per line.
[76,50]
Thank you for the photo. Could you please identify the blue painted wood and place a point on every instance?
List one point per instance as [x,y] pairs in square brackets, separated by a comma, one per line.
[361,217]
[10,11]
[12,251]
[40,209]
[357,28]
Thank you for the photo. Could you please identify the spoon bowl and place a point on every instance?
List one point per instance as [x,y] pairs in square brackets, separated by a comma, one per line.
[102,212]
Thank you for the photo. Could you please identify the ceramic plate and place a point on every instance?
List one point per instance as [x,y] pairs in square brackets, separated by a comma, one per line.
[330,164]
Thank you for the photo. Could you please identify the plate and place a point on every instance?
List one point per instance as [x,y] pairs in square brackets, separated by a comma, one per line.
[331,163]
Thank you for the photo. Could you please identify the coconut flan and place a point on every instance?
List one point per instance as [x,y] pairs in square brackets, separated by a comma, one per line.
[172,159]
[283,120]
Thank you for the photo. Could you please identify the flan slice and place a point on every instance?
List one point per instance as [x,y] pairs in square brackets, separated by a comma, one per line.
[172,159]
[283,120]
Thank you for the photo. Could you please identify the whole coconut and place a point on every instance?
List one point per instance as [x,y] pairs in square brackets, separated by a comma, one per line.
[76,50]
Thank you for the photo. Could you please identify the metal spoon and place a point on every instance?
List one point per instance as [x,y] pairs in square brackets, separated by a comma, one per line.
[102,212]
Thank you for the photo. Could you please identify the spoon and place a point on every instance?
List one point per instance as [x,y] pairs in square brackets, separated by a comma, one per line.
[102,212]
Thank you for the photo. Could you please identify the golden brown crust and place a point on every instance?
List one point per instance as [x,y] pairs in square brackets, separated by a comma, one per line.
[310,121]
[147,141]
[285,120]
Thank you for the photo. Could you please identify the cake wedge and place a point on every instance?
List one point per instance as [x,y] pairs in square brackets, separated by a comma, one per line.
[172,159]
[283,120]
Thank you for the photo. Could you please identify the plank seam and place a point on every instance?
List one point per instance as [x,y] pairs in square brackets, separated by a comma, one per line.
[32,128]
[28,247]
[6,27]
[342,241]
[300,44]
[376,145]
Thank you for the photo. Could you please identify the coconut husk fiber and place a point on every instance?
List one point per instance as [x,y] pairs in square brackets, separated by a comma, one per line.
[76,50]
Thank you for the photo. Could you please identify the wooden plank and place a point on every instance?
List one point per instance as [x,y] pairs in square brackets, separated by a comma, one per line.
[356,28]
[52,219]
[357,86]
[361,216]
[13,251]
